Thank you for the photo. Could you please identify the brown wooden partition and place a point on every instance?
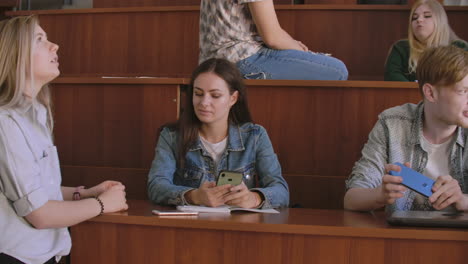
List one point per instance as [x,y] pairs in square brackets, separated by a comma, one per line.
[107,128]
[318,129]
[134,3]
[360,35]
[294,236]
[163,41]
[330,2]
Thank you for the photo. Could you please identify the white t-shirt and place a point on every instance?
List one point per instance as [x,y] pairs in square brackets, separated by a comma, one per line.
[216,150]
[438,162]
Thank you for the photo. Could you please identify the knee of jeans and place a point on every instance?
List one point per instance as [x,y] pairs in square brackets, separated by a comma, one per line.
[255,75]
[343,71]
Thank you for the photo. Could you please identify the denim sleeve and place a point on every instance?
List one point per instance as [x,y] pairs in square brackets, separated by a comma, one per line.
[368,171]
[272,184]
[161,187]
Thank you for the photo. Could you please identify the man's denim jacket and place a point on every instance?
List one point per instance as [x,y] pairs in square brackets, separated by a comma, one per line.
[397,138]
[248,150]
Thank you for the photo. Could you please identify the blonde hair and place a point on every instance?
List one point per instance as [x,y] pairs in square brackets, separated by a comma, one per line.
[16,38]
[441,36]
[442,66]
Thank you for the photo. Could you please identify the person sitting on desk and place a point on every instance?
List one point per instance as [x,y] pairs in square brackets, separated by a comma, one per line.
[248,33]
[430,137]
[428,27]
[215,133]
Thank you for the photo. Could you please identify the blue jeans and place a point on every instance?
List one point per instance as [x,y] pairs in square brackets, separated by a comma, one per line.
[292,65]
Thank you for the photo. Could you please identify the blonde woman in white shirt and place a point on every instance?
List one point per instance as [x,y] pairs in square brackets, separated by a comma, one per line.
[34,208]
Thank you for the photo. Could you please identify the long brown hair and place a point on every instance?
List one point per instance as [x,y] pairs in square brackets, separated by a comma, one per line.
[188,124]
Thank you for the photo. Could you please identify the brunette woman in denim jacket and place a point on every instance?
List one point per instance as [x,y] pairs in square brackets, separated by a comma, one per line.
[215,133]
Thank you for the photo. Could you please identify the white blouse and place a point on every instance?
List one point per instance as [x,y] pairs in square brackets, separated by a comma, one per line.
[29,177]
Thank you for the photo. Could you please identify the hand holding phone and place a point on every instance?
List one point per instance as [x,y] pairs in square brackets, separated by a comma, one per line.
[414,180]
[229,177]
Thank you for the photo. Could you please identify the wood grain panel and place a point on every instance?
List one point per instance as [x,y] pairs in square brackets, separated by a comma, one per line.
[134,179]
[111,124]
[125,43]
[315,191]
[163,41]
[102,243]
[305,123]
[406,252]
[315,222]
[330,2]
[133,3]
[318,236]
[368,251]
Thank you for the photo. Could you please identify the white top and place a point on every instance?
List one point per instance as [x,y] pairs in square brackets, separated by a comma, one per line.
[438,161]
[216,150]
[29,177]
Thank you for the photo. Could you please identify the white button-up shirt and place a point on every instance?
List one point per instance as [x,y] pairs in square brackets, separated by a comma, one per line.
[29,177]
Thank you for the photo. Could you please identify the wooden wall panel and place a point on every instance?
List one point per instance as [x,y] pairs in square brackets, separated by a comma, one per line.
[134,3]
[331,2]
[164,42]
[135,180]
[316,191]
[304,123]
[111,125]
[150,240]
[109,130]
[405,252]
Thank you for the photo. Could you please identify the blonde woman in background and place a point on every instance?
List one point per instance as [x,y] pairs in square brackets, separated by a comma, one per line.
[428,27]
[34,208]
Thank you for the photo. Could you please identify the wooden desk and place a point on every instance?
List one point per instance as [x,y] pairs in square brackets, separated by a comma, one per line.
[294,236]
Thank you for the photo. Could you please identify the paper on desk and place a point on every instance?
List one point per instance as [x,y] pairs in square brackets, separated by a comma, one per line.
[222,209]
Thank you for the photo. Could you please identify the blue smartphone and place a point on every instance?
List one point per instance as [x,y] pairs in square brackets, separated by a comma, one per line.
[414,180]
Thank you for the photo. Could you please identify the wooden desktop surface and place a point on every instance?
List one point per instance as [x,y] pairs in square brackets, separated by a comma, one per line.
[293,236]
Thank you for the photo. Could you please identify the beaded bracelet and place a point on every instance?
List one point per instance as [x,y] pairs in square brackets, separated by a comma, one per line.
[101,204]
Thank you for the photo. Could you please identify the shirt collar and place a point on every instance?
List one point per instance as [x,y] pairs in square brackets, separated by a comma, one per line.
[417,129]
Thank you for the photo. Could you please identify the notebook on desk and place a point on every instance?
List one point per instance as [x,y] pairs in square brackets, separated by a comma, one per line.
[429,218]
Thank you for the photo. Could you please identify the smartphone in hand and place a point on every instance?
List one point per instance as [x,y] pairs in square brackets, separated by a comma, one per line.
[414,180]
[229,177]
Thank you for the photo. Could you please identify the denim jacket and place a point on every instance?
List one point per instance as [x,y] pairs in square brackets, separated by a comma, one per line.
[248,150]
[397,138]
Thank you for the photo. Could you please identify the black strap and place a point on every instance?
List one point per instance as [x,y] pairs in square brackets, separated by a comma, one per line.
[7,259]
